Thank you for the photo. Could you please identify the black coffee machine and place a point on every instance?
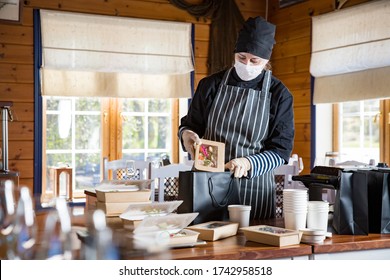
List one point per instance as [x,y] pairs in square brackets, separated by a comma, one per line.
[320,177]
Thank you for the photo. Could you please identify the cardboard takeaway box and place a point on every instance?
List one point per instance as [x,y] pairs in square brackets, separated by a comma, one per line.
[271,235]
[215,230]
[210,156]
[166,230]
[114,198]
[135,213]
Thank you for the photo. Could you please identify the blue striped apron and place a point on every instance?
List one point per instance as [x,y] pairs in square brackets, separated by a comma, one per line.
[239,118]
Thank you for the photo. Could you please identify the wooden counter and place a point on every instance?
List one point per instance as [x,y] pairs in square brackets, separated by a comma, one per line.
[342,243]
[234,248]
[372,246]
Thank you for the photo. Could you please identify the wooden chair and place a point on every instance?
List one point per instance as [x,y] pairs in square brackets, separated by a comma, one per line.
[167,181]
[118,168]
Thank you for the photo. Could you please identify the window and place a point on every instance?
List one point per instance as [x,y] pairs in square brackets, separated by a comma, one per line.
[146,128]
[356,130]
[75,136]
[96,59]
[359,131]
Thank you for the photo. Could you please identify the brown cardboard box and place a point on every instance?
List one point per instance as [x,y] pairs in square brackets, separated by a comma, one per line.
[210,156]
[114,208]
[122,196]
[272,235]
[215,230]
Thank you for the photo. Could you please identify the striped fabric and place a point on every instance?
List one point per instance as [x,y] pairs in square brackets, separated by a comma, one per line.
[239,118]
[264,162]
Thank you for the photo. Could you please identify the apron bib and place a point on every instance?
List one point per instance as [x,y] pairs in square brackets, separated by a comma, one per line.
[239,118]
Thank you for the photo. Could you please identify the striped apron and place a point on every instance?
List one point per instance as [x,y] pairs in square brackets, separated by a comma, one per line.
[239,118]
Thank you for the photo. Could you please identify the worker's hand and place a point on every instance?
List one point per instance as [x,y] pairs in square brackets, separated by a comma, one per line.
[190,140]
[239,166]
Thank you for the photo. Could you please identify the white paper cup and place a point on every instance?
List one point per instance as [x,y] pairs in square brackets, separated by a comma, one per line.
[317,218]
[295,220]
[239,214]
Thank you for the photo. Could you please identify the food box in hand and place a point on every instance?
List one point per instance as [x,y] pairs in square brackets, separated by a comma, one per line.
[215,230]
[270,235]
[210,156]
[165,231]
[135,213]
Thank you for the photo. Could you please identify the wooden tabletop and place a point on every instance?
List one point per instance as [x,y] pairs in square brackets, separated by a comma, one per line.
[231,248]
[238,248]
[344,243]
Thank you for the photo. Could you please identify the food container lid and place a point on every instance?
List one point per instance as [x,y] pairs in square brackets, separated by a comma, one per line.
[142,210]
[312,232]
[171,223]
[123,185]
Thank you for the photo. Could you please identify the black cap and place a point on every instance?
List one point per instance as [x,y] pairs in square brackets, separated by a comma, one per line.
[257,37]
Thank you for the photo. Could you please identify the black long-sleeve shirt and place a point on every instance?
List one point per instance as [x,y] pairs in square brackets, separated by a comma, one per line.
[281,120]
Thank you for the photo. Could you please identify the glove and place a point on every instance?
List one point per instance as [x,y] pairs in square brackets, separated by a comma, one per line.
[239,166]
[190,139]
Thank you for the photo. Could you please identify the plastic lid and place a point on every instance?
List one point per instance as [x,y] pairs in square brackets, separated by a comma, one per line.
[171,223]
[141,210]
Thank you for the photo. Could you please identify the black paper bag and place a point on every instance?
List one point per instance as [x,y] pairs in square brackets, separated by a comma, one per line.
[378,201]
[351,206]
[208,193]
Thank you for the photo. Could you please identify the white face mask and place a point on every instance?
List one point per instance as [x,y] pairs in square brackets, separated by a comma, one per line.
[248,72]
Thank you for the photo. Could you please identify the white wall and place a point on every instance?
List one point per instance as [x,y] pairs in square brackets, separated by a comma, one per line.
[324,133]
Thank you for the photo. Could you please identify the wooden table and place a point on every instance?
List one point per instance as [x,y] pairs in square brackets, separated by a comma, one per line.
[372,246]
[231,248]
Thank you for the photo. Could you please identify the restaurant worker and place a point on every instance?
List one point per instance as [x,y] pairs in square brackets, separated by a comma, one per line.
[249,110]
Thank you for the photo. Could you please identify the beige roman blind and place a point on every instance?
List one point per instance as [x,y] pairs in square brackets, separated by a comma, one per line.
[351,53]
[106,56]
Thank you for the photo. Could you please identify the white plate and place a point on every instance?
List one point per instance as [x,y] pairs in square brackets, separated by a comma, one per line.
[312,232]
[312,238]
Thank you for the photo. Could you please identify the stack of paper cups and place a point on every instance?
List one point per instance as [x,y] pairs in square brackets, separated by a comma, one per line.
[317,215]
[295,208]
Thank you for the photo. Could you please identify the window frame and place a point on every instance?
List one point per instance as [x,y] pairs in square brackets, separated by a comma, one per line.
[111,139]
[384,129]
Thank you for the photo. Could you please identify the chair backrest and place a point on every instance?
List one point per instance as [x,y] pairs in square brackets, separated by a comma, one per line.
[118,168]
[286,172]
[167,180]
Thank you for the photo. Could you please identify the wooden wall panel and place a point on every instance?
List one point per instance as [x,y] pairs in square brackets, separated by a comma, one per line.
[18,54]
[17,92]
[16,73]
[291,61]
[202,32]
[149,9]
[290,65]
[202,48]
[19,130]
[17,34]
[301,97]
[24,167]
[251,8]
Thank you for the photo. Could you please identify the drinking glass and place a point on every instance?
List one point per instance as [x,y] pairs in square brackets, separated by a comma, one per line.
[7,215]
